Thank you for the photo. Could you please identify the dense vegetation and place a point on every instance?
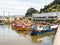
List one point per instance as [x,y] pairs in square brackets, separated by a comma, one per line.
[52,7]
[30,11]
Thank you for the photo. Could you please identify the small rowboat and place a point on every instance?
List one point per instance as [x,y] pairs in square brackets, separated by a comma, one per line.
[44,30]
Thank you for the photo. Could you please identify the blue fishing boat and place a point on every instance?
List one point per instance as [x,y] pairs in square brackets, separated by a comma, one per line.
[44,30]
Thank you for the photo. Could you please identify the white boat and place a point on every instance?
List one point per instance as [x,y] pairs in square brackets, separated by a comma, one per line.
[55,27]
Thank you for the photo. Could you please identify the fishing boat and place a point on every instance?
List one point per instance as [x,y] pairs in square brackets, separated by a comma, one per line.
[2,21]
[21,27]
[44,30]
[55,27]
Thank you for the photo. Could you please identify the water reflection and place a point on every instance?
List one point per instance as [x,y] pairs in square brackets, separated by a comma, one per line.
[43,39]
[48,37]
[37,38]
[22,32]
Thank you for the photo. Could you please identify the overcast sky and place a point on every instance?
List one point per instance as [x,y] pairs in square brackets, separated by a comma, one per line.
[19,7]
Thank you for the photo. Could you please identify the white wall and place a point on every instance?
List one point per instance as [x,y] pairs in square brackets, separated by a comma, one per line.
[47,15]
[44,14]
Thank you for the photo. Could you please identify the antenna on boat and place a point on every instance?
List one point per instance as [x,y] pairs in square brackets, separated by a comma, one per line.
[8,22]
[3,12]
[3,26]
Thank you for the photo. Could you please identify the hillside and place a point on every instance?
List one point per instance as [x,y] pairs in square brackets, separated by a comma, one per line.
[52,7]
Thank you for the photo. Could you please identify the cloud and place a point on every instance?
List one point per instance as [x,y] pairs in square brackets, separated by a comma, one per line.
[19,6]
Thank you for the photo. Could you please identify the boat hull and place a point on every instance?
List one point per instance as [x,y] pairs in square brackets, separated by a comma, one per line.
[20,28]
[35,32]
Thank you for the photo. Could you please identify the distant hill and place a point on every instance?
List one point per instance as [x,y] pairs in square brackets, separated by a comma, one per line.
[52,7]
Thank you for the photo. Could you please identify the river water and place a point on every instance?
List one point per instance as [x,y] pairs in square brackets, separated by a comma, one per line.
[8,36]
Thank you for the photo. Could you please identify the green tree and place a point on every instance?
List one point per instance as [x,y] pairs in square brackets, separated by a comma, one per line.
[41,10]
[30,11]
[56,2]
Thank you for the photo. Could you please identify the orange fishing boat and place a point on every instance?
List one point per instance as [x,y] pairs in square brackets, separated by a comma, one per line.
[22,25]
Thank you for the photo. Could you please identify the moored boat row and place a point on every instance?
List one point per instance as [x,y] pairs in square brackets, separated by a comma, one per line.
[36,28]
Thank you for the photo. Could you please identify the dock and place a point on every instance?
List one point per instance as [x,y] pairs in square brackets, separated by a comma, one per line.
[57,37]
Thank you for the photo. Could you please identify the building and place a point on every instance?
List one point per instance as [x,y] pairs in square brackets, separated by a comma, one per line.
[46,16]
